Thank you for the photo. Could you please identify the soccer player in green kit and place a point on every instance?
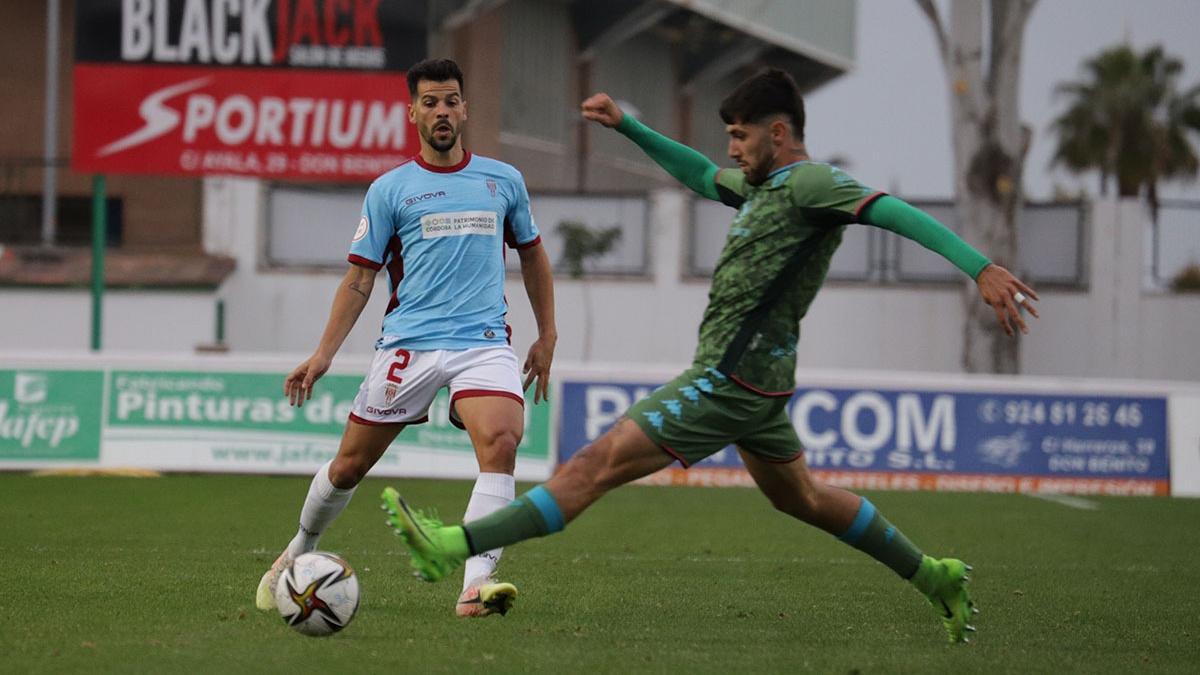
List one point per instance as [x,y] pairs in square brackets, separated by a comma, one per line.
[791,214]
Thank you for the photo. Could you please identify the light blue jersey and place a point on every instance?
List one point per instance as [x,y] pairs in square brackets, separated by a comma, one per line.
[441,232]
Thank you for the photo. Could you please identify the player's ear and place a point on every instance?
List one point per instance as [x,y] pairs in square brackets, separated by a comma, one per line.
[412,112]
[463,103]
[779,131]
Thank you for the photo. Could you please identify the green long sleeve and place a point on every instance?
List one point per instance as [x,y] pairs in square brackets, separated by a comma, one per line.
[910,222]
[686,165]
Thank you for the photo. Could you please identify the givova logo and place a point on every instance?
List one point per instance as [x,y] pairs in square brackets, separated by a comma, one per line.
[29,421]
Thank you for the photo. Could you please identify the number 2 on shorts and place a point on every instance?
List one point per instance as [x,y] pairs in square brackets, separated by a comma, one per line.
[399,364]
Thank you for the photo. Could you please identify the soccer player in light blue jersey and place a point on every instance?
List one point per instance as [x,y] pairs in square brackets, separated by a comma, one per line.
[438,224]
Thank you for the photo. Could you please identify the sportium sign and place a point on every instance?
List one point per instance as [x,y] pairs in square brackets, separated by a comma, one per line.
[281,89]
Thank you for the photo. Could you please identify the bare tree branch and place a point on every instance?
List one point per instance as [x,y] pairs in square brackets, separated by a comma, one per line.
[939,30]
[1008,19]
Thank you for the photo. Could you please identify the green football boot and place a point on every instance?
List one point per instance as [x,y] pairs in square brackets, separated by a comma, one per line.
[436,550]
[944,583]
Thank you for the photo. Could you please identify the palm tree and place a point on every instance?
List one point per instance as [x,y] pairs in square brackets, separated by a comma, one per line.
[1128,119]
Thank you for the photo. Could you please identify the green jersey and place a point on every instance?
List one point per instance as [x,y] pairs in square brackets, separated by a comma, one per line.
[776,256]
[778,252]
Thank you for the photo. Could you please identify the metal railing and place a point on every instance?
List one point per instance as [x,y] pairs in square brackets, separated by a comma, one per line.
[311,227]
[627,211]
[1051,235]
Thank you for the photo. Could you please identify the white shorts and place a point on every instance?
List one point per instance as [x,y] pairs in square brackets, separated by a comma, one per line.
[401,383]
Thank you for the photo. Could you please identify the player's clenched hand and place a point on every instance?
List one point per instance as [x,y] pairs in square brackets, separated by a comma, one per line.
[537,367]
[298,386]
[601,108]
[1004,292]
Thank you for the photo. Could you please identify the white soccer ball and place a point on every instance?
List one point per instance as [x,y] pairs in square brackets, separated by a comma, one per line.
[318,594]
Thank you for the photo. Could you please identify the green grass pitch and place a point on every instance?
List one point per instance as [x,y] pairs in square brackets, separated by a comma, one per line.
[158,575]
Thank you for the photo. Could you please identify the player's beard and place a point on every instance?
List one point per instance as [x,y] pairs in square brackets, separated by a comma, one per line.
[441,145]
[757,170]
[756,174]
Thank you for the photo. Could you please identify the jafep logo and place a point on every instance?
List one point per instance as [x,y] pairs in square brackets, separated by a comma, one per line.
[30,388]
[32,423]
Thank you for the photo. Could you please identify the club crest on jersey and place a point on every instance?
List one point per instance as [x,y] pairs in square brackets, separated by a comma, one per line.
[363,226]
[491,187]
[489,333]
[389,394]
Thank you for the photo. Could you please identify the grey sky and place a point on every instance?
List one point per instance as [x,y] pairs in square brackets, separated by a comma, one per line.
[890,116]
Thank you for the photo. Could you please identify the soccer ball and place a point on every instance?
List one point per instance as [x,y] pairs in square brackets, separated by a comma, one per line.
[318,594]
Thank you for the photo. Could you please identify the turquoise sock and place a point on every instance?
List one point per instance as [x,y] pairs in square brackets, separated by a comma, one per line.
[533,514]
[872,534]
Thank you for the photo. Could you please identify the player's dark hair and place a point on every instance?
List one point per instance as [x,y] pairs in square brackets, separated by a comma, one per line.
[770,92]
[433,70]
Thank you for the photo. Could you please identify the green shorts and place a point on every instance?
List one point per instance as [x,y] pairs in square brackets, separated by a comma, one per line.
[702,411]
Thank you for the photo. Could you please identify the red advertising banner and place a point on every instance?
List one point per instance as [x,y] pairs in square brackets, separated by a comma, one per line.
[718,476]
[276,123]
[308,89]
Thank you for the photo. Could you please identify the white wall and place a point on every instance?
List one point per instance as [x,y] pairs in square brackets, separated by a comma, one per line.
[145,320]
[273,310]
[1117,329]
[1112,329]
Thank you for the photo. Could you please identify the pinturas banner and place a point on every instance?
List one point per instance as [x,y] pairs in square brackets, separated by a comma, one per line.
[234,419]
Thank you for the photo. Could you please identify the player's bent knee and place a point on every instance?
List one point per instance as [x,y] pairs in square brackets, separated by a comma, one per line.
[498,451]
[505,442]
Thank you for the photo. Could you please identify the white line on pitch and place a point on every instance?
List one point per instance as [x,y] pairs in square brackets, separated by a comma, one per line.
[1066,500]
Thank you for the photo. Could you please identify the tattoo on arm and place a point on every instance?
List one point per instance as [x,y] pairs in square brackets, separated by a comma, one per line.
[353,285]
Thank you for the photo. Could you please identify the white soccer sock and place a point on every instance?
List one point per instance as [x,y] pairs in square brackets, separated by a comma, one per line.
[492,492]
[322,505]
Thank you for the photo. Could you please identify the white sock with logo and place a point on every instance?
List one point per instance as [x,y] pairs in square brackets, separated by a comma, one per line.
[321,507]
[492,492]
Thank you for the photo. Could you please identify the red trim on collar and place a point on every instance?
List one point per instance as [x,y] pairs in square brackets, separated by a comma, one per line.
[444,169]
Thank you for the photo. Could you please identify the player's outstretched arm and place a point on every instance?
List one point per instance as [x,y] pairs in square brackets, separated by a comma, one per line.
[686,165]
[539,285]
[348,303]
[998,287]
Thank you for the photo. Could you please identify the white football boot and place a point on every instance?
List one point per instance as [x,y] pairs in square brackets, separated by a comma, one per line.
[485,596]
[264,597]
